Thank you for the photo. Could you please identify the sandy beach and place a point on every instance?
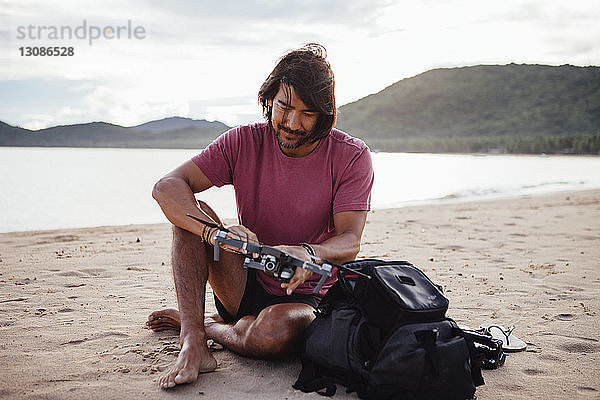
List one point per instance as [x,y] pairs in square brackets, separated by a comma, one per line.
[73,302]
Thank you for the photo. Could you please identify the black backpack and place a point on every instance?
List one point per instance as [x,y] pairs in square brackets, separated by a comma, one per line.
[388,338]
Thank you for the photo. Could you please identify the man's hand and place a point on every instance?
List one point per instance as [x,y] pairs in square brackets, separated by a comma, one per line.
[301,274]
[236,232]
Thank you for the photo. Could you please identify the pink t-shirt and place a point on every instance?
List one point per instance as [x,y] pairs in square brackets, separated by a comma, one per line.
[286,200]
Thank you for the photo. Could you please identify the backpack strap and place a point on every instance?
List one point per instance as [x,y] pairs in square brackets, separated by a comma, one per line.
[427,339]
[311,380]
[475,356]
[335,297]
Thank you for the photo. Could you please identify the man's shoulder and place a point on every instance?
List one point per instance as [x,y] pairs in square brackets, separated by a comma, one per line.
[257,128]
[245,135]
[342,141]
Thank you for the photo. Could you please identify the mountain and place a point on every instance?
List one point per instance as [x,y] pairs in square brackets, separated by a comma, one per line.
[167,133]
[500,108]
[178,123]
[483,107]
[11,134]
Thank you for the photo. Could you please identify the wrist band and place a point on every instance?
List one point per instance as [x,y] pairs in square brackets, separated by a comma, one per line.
[308,248]
[210,233]
[206,234]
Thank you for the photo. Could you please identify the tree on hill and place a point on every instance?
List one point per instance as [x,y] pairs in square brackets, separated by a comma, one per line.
[463,109]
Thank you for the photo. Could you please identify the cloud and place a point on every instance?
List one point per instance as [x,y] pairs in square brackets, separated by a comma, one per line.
[106,104]
[208,60]
[38,121]
[76,102]
[335,12]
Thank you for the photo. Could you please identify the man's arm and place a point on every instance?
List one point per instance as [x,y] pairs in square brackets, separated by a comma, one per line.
[175,196]
[344,246]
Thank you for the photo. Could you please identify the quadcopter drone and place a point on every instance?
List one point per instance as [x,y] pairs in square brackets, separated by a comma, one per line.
[272,261]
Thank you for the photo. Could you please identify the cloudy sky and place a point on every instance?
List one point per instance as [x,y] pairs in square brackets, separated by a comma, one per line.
[206,59]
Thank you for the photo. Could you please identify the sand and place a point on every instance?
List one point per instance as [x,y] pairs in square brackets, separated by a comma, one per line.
[73,302]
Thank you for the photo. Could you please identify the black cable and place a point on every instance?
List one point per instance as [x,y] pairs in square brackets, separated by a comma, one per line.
[222,228]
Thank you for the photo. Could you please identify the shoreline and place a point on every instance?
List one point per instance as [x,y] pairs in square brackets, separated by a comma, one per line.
[448,200]
[375,150]
[73,302]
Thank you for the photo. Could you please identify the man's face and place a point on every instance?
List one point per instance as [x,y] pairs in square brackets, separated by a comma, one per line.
[292,120]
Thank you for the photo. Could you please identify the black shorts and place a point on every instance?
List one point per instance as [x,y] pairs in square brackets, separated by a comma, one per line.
[255,299]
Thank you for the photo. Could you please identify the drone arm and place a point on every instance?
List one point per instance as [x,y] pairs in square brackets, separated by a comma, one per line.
[237,243]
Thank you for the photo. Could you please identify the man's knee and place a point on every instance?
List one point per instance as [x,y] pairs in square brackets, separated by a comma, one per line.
[268,337]
[274,334]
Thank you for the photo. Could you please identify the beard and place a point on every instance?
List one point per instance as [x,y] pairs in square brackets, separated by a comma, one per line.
[303,137]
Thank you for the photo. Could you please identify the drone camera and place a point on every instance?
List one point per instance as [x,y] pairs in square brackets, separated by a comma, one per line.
[270,264]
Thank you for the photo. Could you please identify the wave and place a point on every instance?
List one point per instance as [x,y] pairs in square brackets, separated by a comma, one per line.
[485,193]
[515,190]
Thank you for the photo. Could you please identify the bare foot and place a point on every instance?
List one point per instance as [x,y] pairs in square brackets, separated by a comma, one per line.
[162,320]
[194,358]
[169,318]
[210,319]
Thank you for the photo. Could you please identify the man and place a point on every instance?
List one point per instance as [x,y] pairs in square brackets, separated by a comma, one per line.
[300,185]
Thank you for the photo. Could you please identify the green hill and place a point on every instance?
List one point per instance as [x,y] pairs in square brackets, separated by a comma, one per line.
[166,133]
[509,108]
[514,108]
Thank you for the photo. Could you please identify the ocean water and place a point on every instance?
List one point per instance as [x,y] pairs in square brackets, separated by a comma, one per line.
[52,188]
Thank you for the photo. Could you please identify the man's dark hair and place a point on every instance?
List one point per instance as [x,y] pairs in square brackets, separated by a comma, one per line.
[309,73]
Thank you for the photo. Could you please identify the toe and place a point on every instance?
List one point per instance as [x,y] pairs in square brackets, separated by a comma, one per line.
[183,376]
[168,382]
[160,328]
[162,325]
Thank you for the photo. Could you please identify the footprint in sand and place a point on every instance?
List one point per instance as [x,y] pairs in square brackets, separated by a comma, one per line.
[551,357]
[11,300]
[579,347]
[76,341]
[25,281]
[94,271]
[137,269]
[96,337]
[565,317]
[84,272]
[586,390]
[512,387]
[74,285]
[65,238]
[72,273]
[531,371]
